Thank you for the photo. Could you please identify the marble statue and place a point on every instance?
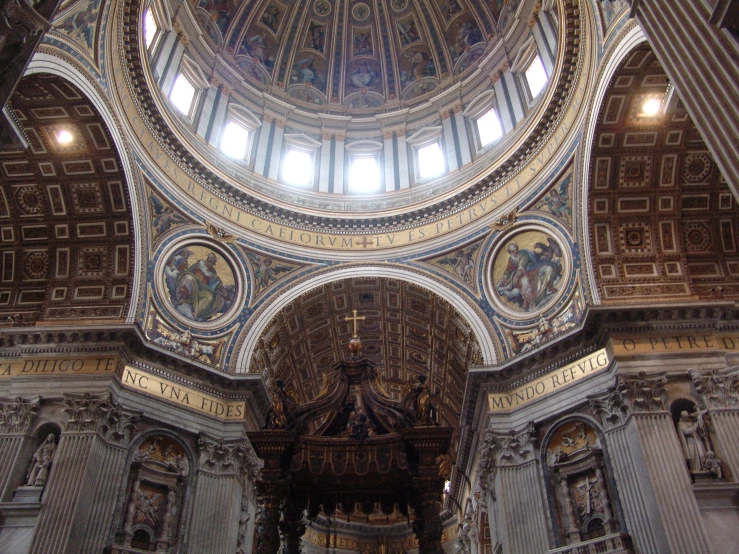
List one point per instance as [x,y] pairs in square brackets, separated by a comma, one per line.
[38,472]
[693,438]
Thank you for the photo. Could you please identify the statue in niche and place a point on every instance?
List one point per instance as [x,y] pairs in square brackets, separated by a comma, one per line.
[244,517]
[38,472]
[419,399]
[694,439]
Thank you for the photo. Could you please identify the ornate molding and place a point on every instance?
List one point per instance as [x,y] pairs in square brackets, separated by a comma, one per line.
[611,407]
[86,412]
[645,392]
[16,415]
[718,388]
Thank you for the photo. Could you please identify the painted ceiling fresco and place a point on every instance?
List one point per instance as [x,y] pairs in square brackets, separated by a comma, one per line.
[663,222]
[359,53]
[66,232]
[408,331]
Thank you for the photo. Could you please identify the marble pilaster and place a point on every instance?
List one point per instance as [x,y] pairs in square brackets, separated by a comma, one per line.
[635,491]
[665,464]
[218,494]
[16,417]
[720,393]
[518,522]
[77,465]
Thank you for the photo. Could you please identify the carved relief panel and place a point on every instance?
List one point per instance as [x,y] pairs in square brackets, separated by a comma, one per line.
[576,471]
[159,475]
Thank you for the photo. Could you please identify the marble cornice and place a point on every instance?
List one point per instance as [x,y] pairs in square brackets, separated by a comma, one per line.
[563,91]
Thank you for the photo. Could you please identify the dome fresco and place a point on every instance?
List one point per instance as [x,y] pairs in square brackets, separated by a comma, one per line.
[354,54]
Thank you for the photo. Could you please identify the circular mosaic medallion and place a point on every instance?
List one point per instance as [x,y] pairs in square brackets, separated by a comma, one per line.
[322,8]
[198,282]
[360,11]
[527,273]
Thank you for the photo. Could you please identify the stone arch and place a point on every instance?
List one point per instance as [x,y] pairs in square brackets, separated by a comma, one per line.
[477,321]
[620,49]
[47,63]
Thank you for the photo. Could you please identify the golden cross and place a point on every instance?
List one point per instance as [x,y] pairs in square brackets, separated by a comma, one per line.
[355,319]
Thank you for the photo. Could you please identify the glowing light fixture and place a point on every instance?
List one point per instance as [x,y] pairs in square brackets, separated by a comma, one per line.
[64,137]
[430,161]
[651,107]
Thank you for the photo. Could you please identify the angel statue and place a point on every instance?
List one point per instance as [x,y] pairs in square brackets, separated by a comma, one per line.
[418,398]
[694,439]
[38,472]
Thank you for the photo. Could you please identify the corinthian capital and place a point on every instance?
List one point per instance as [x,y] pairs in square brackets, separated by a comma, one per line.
[612,408]
[719,388]
[117,425]
[86,412]
[509,449]
[645,392]
[223,457]
[16,415]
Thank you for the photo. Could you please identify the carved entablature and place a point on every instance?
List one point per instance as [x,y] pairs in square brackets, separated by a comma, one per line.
[718,388]
[16,415]
[645,392]
[223,457]
[612,408]
[86,412]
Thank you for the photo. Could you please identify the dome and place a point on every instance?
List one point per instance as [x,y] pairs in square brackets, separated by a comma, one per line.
[355,56]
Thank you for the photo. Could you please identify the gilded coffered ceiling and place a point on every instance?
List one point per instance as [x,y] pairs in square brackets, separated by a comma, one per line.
[408,331]
[663,221]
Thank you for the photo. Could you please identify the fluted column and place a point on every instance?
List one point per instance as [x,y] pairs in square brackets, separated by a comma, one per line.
[276,152]
[521,527]
[506,110]
[665,464]
[720,393]
[635,491]
[448,137]
[217,502]
[15,421]
[75,469]
[701,61]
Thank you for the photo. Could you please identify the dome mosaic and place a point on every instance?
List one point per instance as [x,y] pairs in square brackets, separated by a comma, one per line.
[354,55]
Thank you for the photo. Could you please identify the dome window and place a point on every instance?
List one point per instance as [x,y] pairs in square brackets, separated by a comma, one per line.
[428,157]
[364,166]
[234,141]
[536,76]
[299,165]
[430,160]
[238,133]
[489,128]
[150,28]
[182,94]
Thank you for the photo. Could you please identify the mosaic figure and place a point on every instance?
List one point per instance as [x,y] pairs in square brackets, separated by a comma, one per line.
[200,291]
[532,273]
